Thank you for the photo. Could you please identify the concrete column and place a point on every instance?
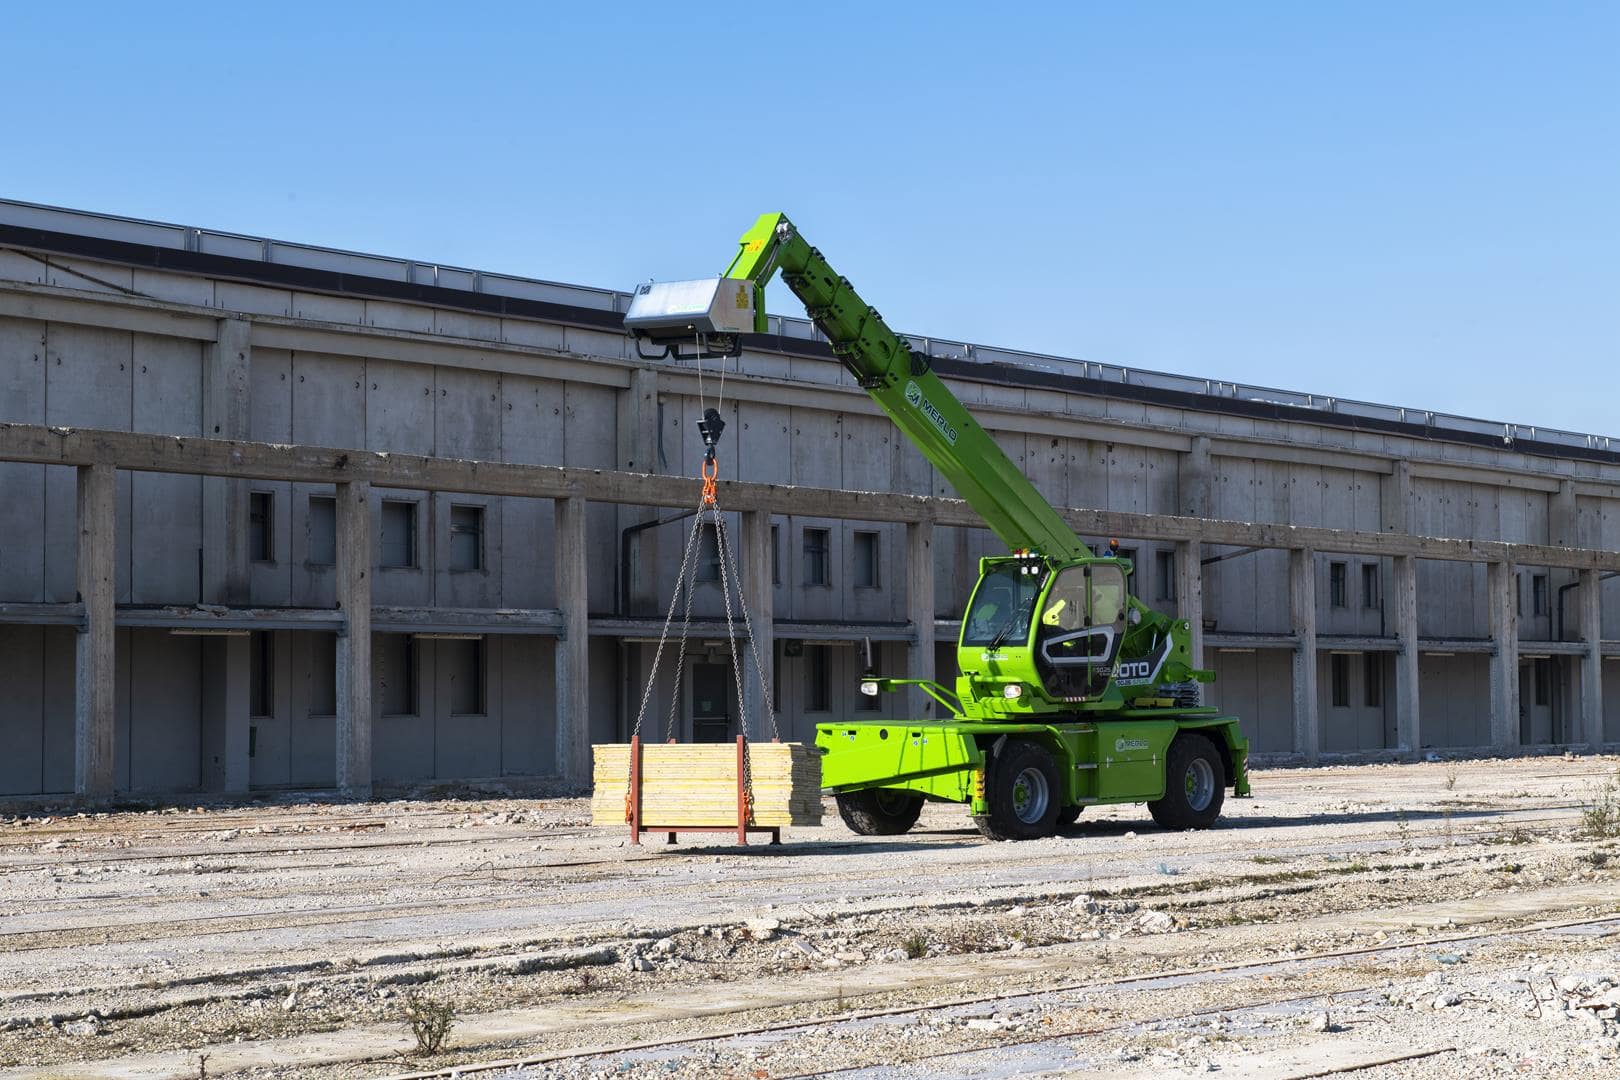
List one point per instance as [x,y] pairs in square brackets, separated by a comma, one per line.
[1190,593]
[573,647]
[759,595]
[227,679]
[1591,590]
[354,642]
[225,408]
[1502,585]
[1408,718]
[1302,606]
[1194,479]
[94,658]
[1395,496]
[920,611]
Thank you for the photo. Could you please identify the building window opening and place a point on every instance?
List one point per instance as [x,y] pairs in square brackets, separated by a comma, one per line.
[816,554]
[817,679]
[398,534]
[322,528]
[323,675]
[1373,678]
[866,561]
[1370,594]
[466,537]
[262,674]
[464,666]
[708,556]
[1538,595]
[1165,564]
[261,527]
[1339,665]
[1338,581]
[397,672]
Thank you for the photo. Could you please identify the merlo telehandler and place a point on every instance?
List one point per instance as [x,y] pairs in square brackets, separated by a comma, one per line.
[1071,691]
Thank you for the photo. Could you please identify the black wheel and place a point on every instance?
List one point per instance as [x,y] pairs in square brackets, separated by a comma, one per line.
[1022,788]
[1194,785]
[1068,816]
[879,811]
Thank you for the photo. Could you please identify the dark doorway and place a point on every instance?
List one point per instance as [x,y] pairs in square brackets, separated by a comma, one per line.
[712,692]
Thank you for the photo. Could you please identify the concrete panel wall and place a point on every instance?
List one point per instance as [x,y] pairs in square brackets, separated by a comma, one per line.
[1255,686]
[1456,699]
[36,709]
[1359,724]
[159,733]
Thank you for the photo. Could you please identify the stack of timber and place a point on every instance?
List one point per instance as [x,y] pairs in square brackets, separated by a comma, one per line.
[695,784]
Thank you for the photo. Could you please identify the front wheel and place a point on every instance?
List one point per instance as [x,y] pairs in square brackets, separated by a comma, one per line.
[879,811]
[1194,785]
[1068,816]
[1022,790]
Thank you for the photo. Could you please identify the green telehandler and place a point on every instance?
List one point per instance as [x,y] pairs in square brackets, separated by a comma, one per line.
[1071,692]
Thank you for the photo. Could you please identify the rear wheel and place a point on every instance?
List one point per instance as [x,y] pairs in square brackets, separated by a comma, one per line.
[1021,788]
[879,811]
[1068,816]
[1194,785]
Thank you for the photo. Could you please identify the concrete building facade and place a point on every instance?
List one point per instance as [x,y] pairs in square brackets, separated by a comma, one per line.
[503,631]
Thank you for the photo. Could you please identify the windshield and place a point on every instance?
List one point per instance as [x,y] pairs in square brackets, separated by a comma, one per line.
[1002,607]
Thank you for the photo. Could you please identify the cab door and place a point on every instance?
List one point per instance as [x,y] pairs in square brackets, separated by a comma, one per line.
[1081,625]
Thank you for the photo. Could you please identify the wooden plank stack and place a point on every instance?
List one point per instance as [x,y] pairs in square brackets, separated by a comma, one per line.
[695,784]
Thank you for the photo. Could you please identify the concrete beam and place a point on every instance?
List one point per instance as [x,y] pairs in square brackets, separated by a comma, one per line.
[94,659]
[571,552]
[225,501]
[42,614]
[1302,606]
[46,303]
[1502,587]
[354,643]
[1190,593]
[759,653]
[271,332]
[1408,716]
[1591,733]
[920,612]
[313,464]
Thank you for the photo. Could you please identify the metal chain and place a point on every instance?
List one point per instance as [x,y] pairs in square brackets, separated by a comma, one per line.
[688,581]
[766,696]
[652,676]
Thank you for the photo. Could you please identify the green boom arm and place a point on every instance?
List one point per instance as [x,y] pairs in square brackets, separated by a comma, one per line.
[903,385]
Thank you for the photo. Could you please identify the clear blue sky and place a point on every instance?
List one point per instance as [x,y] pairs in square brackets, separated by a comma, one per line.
[1415,203]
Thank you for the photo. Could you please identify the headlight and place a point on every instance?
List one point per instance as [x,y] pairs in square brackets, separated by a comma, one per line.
[1012,691]
[869,688]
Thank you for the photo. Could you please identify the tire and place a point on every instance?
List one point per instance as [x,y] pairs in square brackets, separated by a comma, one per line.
[879,811]
[1022,788]
[1194,785]
[1068,816]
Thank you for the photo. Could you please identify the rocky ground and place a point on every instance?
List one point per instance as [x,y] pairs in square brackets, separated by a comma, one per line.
[1440,919]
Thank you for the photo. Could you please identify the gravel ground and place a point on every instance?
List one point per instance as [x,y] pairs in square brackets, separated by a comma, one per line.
[289,938]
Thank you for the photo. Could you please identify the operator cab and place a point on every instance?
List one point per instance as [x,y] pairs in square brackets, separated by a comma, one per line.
[1072,619]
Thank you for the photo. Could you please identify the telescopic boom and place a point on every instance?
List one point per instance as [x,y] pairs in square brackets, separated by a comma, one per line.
[711,315]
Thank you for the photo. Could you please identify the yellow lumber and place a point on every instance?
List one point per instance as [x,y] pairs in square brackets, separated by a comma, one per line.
[696,784]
